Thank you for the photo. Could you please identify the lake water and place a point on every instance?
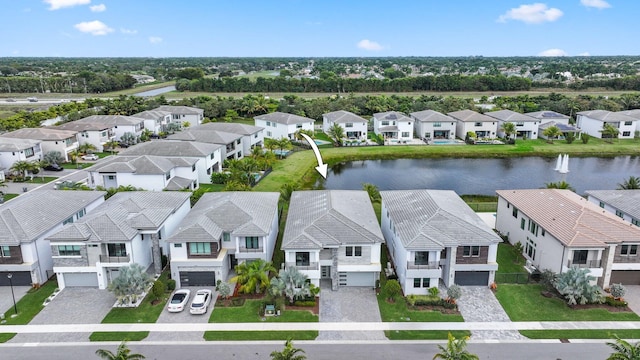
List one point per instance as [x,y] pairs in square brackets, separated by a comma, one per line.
[481,176]
[156,92]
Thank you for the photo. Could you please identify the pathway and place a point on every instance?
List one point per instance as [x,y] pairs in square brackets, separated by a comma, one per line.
[478,304]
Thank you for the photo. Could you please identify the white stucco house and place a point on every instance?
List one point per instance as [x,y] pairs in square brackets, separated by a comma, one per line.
[222,230]
[155,120]
[634,113]
[526,126]
[333,235]
[355,127]
[232,144]
[625,204]
[130,227]
[279,125]
[62,141]
[547,116]
[12,150]
[470,121]
[182,114]
[394,126]
[430,124]
[252,136]
[592,122]
[94,133]
[433,235]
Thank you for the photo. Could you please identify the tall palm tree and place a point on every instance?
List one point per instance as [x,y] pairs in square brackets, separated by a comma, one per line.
[509,129]
[22,168]
[609,132]
[123,353]
[552,133]
[253,276]
[455,350]
[624,350]
[633,183]
[336,134]
[559,185]
[86,148]
[288,353]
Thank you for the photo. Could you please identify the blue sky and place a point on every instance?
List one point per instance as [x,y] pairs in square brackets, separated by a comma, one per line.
[306,28]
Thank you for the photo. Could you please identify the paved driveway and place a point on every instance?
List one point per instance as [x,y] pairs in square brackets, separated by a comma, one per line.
[6,301]
[478,304]
[633,297]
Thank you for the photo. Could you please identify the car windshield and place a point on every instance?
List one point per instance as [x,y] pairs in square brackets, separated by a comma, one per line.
[177,298]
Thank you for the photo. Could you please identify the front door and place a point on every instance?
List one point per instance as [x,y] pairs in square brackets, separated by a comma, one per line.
[325,272]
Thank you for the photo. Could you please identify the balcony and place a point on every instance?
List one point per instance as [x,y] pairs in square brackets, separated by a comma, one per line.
[251,250]
[308,266]
[412,265]
[115,259]
[588,264]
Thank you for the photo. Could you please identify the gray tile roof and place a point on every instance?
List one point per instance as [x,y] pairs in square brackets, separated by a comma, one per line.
[392,115]
[109,120]
[607,116]
[205,136]
[330,218]
[284,118]
[172,148]
[238,213]
[635,113]
[233,128]
[142,165]
[627,201]
[29,216]
[547,115]
[152,114]
[83,126]
[122,216]
[343,117]
[11,144]
[470,116]
[431,116]
[561,126]
[178,183]
[183,110]
[510,116]
[435,219]
[42,133]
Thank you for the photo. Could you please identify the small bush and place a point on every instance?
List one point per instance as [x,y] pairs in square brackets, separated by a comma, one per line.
[219,178]
[434,291]
[611,301]
[454,292]
[392,288]
[585,138]
[237,302]
[548,279]
[428,300]
[158,289]
[171,284]
[618,291]
[305,303]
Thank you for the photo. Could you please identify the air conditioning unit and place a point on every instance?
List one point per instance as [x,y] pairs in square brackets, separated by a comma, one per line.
[528,264]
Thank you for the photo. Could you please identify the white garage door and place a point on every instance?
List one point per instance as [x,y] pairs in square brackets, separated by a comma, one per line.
[356,279]
[81,279]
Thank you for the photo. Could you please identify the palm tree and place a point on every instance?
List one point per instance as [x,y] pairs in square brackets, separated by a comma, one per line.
[455,350]
[123,353]
[509,129]
[112,145]
[253,276]
[624,350]
[373,191]
[87,148]
[559,185]
[633,183]
[270,144]
[21,168]
[283,144]
[552,132]
[336,134]
[288,353]
[609,132]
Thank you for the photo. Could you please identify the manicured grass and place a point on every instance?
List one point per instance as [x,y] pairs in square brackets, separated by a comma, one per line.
[212,187]
[119,336]
[10,196]
[249,312]
[4,337]
[425,335]
[71,166]
[38,180]
[508,262]
[30,304]
[259,335]
[322,136]
[582,334]
[525,303]
[483,206]
[278,254]
[145,313]
[398,312]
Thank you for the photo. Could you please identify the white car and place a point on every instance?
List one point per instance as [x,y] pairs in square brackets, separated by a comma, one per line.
[179,300]
[90,157]
[201,301]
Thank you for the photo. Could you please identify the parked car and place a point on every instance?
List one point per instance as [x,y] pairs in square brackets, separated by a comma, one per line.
[90,157]
[201,301]
[179,300]
[123,144]
[53,167]
[32,99]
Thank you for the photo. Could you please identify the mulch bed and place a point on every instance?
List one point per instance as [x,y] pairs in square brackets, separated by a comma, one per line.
[314,309]
[435,308]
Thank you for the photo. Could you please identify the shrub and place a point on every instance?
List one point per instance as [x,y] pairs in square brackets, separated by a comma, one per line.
[434,291]
[618,291]
[392,288]
[575,286]
[548,279]
[224,289]
[158,289]
[219,178]
[570,137]
[585,138]
[453,293]
[611,301]
[237,302]
[429,300]
[171,284]
[305,303]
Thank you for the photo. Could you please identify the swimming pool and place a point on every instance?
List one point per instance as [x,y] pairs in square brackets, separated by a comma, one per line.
[446,142]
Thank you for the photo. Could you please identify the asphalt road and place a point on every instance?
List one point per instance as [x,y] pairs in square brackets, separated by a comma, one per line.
[314,351]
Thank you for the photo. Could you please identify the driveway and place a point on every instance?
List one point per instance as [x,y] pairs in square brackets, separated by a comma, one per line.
[478,304]
[349,304]
[71,306]
[633,297]
[6,301]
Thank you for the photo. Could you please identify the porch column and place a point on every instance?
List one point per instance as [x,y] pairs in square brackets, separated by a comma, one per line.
[607,262]
[157,257]
[334,269]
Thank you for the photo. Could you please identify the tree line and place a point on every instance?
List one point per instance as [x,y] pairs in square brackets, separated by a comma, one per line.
[84,82]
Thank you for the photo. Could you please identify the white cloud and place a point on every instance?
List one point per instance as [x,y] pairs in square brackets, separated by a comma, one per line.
[95,27]
[586,53]
[369,45]
[98,8]
[59,4]
[598,4]
[155,39]
[531,14]
[128,31]
[553,52]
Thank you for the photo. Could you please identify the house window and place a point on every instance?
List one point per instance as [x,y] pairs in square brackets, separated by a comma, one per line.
[251,242]
[81,213]
[349,125]
[426,282]
[543,232]
[177,245]
[417,282]
[168,176]
[68,221]
[533,227]
[468,251]
[628,123]
[601,204]
[384,123]
[619,213]
[405,134]
[478,124]
[104,134]
[520,123]
[635,222]
[354,250]
[514,212]
[427,135]
[211,156]
[437,124]
[302,259]
[5,251]
[626,133]
[422,258]
[298,126]
[226,237]
[193,167]
[200,248]
[273,124]
[238,141]
[629,250]
[255,136]
[530,249]
[28,152]
[111,177]
[580,256]
[268,123]
[522,222]
[69,250]
[268,133]
[117,249]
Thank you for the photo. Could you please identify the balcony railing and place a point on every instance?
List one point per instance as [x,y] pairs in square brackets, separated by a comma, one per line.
[422,265]
[251,250]
[310,266]
[589,264]
[114,259]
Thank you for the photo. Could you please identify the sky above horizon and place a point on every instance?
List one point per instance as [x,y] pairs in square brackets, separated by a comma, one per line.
[321,28]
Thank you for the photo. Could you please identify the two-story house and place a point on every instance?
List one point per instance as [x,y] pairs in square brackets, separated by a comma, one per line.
[355,127]
[280,125]
[433,235]
[559,229]
[593,122]
[148,172]
[252,136]
[546,116]
[394,126]
[222,230]
[634,113]
[12,150]
[155,120]
[94,133]
[526,126]
[333,235]
[430,124]
[25,224]
[182,114]
[625,204]
[468,121]
[232,144]
[207,156]
[130,227]
[62,141]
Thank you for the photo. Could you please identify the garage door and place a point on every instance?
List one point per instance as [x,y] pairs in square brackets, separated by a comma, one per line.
[81,279]
[19,278]
[197,278]
[356,279]
[625,277]
[472,278]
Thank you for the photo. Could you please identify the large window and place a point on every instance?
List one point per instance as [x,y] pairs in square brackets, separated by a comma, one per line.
[200,248]
[522,222]
[251,242]
[580,256]
[530,249]
[468,251]
[302,258]
[226,237]
[384,123]
[5,251]
[69,250]
[353,251]
[405,134]
[117,249]
[422,258]
[349,125]
[437,124]
[629,250]
[514,212]
[28,152]
[421,282]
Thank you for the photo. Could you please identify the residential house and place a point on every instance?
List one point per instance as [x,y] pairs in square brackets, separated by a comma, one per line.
[355,127]
[94,133]
[130,227]
[279,125]
[12,150]
[252,136]
[333,235]
[429,124]
[564,129]
[526,126]
[25,224]
[207,156]
[232,145]
[592,123]
[625,204]
[62,141]
[635,113]
[155,121]
[548,116]
[183,114]
[394,126]
[222,230]
[468,121]
[153,173]
[433,235]
[560,229]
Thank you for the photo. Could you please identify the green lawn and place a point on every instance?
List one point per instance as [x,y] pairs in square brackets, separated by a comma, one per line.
[118,336]
[508,262]
[259,335]
[30,304]
[38,180]
[75,166]
[10,196]
[249,312]
[582,334]
[525,303]
[212,187]
[145,313]
[4,337]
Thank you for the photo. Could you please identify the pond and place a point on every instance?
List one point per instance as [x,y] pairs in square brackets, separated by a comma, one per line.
[481,176]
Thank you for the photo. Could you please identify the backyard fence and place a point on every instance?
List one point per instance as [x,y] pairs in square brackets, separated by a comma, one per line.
[483,206]
[515,278]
